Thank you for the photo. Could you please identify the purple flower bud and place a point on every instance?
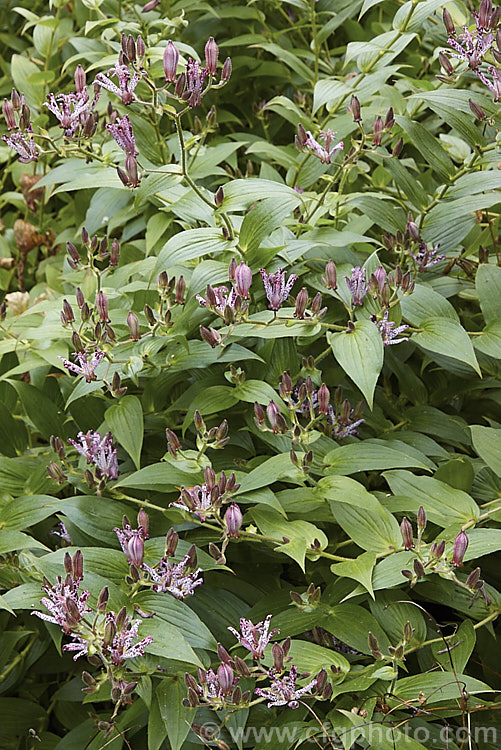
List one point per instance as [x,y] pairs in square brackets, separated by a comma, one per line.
[390,118]
[380,277]
[397,148]
[180,84]
[243,280]
[226,72]
[406,531]
[171,59]
[68,311]
[477,110]
[355,109]
[102,307]
[278,657]
[437,549]
[77,563]
[179,291]
[421,518]
[301,302]
[377,130]
[460,546]
[171,541]
[133,323]
[225,678]
[330,278]
[448,22]
[324,397]
[72,252]
[115,252]
[80,79]
[272,411]
[472,579]
[219,197]
[15,99]
[135,550]
[210,335]
[150,6]
[122,176]
[211,55]
[302,136]
[233,520]
[8,113]
[446,63]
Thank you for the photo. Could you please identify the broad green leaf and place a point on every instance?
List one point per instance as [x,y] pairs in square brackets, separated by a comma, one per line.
[257,390]
[194,243]
[428,145]
[373,530]
[339,489]
[297,536]
[490,341]
[384,213]
[360,354]
[27,510]
[161,477]
[40,409]
[460,648]
[352,623]
[424,303]
[176,717]
[240,194]
[443,504]
[439,686]
[95,518]
[447,337]
[178,614]
[375,454]
[125,420]
[488,286]
[262,220]
[308,657]
[487,443]
[272,470]
[360,569]
[15,540]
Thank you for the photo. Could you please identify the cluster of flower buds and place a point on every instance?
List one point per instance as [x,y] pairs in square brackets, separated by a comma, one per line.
[17,117]
[97,251]
[309,599]
[475,47]
[121,130]
[381,127]
[409,244]
[100,453]
[171,293]
[189,86]
[215,438]
[306,308]
[230,305]
[218,688]
[206,500]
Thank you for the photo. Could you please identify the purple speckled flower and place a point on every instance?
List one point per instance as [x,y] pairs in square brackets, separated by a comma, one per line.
[57,599]
[85,366]
[99,451]
[195,77]
[127,82]
[223,299]
[325,152]
[70,110]
[389,330]
[124,644]
[196,500]
[426,257]
[283,691]
[357,285]
[254,638]
[175,578]
[121,130]
[276,287]
[130,539]
[24,145]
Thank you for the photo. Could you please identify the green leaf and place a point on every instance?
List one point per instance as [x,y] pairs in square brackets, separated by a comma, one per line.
[352,623]
[178,614]
[359,569]
[161,477]
[439,686]
[447,337]
[488,286]
[428,145]
[360,354]
[194,243]
[384,213]
[373,530]
[263,219]
[460,648]
[42,411]
[424,303]
[27,510]
[490,341]
[487,443]
[125,420]
[300,534]
[176,717]
[368,455]
[16,540]
[308,657]
[272,470]
[444,505]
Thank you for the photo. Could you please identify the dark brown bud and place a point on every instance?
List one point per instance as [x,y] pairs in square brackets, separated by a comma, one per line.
[226,72]
[102,601]
[397,148]
[448,22]
[77,563]
[374,647]
[477,110]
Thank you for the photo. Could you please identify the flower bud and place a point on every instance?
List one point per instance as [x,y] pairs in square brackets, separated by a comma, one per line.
[102,600]
[272,411]
[135,550]
[355,109]
[390,118]
[243,279]
[477,110]
[212,336]
[225,678]
[278,657]
[374,647]
[397,148]
[226,72]
[418,568]
[448,22]
[233,520]
[437,549]
[80,79]
[302,136]
[473,578]
[102,307]
[171,59]
[114,252]
[140,46]
[150,316]
[445,63]
[211,55]
[72,252]
[460,546]
[406,531]
[421,518]
[68,311]
[180,84]
[122,177]
[171,541]
[377,131]
[8,113]
[301,302]
[324,398]
[133,324]
[330,278]
[150,6]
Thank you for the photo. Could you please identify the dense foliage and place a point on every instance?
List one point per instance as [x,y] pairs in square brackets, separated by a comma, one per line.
[250,337]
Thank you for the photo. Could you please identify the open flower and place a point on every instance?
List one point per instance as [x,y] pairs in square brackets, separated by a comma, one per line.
[64,602]
[195,77]
[175,578]
[24,145]
[99,451]
[327,151]
[127,82]
[254,638]
[357,285]
[426,256]
[121,130]
[283,691]
[70,110]
[85,367]
[277,288]
[389,330]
